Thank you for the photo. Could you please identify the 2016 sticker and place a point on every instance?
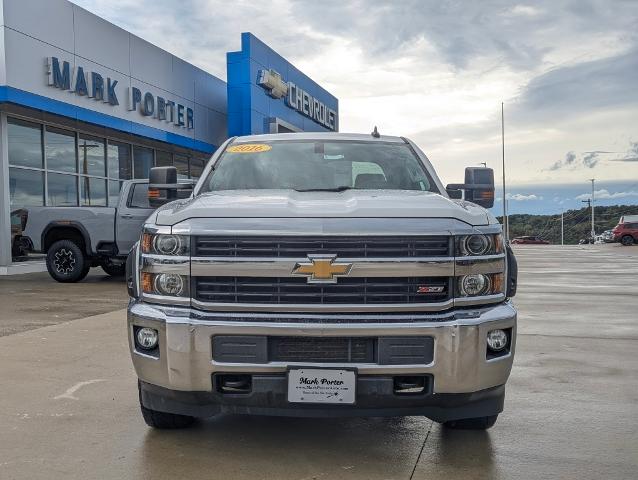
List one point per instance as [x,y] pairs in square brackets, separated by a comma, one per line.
[249,148]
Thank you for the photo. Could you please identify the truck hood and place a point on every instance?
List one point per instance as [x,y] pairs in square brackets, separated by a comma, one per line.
[347,204]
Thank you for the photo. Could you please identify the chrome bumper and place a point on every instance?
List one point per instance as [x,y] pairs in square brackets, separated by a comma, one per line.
[185,360]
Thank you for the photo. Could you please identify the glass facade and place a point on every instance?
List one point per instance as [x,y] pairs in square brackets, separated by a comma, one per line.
[59,167]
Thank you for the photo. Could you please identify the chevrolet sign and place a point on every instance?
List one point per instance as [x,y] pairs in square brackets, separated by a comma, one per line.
[297,98]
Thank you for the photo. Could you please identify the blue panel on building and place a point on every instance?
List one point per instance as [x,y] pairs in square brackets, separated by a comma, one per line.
[267,94]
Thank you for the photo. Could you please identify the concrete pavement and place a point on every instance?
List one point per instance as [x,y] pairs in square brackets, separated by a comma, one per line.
[68,407]
[34,300]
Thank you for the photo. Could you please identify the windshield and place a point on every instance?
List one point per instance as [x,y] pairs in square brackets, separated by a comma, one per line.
[309,165]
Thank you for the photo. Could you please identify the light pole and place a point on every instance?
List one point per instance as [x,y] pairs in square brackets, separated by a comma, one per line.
[593,229]
[505,220]
[562,228]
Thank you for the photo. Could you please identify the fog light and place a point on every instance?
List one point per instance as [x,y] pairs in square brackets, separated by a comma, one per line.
[146,338]
[497,340]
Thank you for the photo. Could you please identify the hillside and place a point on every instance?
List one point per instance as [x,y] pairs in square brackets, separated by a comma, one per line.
[577,223]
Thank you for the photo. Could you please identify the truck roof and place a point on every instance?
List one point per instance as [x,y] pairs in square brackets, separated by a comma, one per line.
[318,136]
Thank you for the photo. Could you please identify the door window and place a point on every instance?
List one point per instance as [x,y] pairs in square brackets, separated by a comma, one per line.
[139,198]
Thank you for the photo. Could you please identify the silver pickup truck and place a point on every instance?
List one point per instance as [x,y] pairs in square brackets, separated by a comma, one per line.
[78,238]
[322,275]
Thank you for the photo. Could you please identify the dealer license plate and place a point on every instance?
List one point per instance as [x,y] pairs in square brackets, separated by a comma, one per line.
[318,385]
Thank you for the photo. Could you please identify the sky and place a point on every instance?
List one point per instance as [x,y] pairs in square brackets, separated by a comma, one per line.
[438,71]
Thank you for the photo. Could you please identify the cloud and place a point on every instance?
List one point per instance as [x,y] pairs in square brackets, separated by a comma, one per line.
[590,160]
[604,194]
[521,197]
[437,71]
[570,158]
[631,155]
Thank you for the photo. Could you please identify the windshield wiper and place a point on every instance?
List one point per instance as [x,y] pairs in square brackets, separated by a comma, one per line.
[334,189]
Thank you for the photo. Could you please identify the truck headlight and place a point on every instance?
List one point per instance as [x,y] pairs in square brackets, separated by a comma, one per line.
[165,244]
[168,284]
[480,284]
[479,244]
[473,285]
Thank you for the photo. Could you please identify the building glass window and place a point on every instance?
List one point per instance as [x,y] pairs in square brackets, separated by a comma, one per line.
[119,160]
[92,192]
[60,150]
[25,143]
[163,159]
[62,190]
[181,163]
[142,161]
[91,152]
[197,167]
[26,187]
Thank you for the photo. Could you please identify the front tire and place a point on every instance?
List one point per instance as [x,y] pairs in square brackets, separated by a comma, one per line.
[479,423]
[163,420]
[66,262]
[627,240]
[114,270]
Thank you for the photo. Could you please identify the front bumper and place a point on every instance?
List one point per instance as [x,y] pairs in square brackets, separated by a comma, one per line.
[178,377]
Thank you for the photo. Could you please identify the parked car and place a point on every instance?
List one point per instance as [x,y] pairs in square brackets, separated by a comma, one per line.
[78,238]
[290,283]
[20,244]
[626,233]
[529,240]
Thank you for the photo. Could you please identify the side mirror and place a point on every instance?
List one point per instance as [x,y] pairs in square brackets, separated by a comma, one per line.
[478,186]
[163,186]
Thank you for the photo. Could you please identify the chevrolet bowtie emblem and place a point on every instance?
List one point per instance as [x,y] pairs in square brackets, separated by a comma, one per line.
[322,269]
[273,83]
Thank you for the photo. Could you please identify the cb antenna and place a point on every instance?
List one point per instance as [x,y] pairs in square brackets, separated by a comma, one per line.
[375,132]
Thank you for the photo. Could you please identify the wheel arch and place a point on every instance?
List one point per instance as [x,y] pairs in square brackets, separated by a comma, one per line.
[66,230]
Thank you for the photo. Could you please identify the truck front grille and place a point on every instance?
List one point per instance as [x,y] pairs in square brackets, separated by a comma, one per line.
[342,246]
[296,290]
[258,349]
[321,349]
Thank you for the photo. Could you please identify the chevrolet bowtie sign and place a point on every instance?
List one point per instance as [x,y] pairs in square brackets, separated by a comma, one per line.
[322,269]
[297,98]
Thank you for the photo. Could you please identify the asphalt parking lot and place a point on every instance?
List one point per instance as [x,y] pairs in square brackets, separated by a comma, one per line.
[69,408]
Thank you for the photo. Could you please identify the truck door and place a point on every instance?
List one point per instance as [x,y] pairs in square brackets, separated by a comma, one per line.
[132,210]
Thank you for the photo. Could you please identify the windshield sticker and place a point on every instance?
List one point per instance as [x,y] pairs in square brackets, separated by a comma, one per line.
[249,148]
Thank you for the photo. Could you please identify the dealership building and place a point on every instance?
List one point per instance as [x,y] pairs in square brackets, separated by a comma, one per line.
[85,105]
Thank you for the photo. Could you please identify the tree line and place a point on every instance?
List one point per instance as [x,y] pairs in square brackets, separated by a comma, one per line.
[577,223]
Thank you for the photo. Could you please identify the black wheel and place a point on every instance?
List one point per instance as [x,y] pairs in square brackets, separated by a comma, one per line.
[114,269]
[479,423]
[627,240]
[163,420]
[66,262]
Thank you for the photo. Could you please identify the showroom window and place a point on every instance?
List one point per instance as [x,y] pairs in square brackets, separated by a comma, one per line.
[197,167]
[26,187]
[58,167]
[142,161]
[59,147]
[92,155]
[119,160]
[62,190]
[163,159]
[181,163]
[25,143]
[26,178]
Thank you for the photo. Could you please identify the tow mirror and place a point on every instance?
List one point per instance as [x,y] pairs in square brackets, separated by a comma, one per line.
[163,186]
[478,187]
